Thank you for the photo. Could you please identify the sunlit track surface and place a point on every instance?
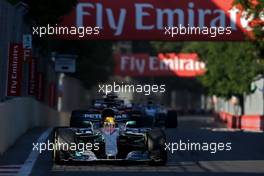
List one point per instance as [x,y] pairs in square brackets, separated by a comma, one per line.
[245,159]
[197,167]
[170,167]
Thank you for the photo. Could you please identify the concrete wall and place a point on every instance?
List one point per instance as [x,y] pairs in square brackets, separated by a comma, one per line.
[224,105]
[254,103]
[6,14]
[20,114]
[187,100]
[74,95]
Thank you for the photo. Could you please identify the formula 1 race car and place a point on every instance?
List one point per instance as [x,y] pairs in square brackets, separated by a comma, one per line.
[159,116]
[151,114]
[108,135]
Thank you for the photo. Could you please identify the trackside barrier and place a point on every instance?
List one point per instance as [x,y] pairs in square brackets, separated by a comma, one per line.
[233,121]
[252,122]
[244,122]
[238,122]
[223,116]
[229,118]
[21,114]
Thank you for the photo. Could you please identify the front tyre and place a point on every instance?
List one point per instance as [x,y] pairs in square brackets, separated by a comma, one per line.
[62,136]
[156,147]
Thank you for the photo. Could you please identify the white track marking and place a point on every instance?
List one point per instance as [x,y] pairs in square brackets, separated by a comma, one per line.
[33,156]
[9,170]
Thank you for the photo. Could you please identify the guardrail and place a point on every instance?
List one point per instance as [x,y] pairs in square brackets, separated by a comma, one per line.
[244,122]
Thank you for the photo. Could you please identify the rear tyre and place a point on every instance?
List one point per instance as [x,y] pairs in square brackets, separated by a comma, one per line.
[156,147]
[172,119]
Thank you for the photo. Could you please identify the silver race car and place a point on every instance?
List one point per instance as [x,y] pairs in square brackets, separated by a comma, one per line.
[108,136]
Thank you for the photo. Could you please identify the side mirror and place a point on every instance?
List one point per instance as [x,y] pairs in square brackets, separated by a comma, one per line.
[130,123]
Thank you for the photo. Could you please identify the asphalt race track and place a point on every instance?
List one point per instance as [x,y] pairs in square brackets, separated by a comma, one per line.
[246,157]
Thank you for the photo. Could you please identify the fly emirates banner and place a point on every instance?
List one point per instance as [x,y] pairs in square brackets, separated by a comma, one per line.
[169,64]
[161,20]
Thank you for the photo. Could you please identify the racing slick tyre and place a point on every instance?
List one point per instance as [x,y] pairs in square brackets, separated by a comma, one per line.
[61,136]
[156,147]
[172,119]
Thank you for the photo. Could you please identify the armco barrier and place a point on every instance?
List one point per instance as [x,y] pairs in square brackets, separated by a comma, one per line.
[245,122]
[238,122]
[233,121]
[223,116]
[252,122]
[20,114]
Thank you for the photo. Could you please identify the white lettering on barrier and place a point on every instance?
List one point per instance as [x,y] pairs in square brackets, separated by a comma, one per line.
[144,11]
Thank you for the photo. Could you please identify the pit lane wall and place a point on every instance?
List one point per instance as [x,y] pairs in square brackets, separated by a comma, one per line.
[20,114]
[252,118]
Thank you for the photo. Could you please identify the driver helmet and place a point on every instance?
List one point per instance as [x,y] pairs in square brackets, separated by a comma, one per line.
[109,124]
